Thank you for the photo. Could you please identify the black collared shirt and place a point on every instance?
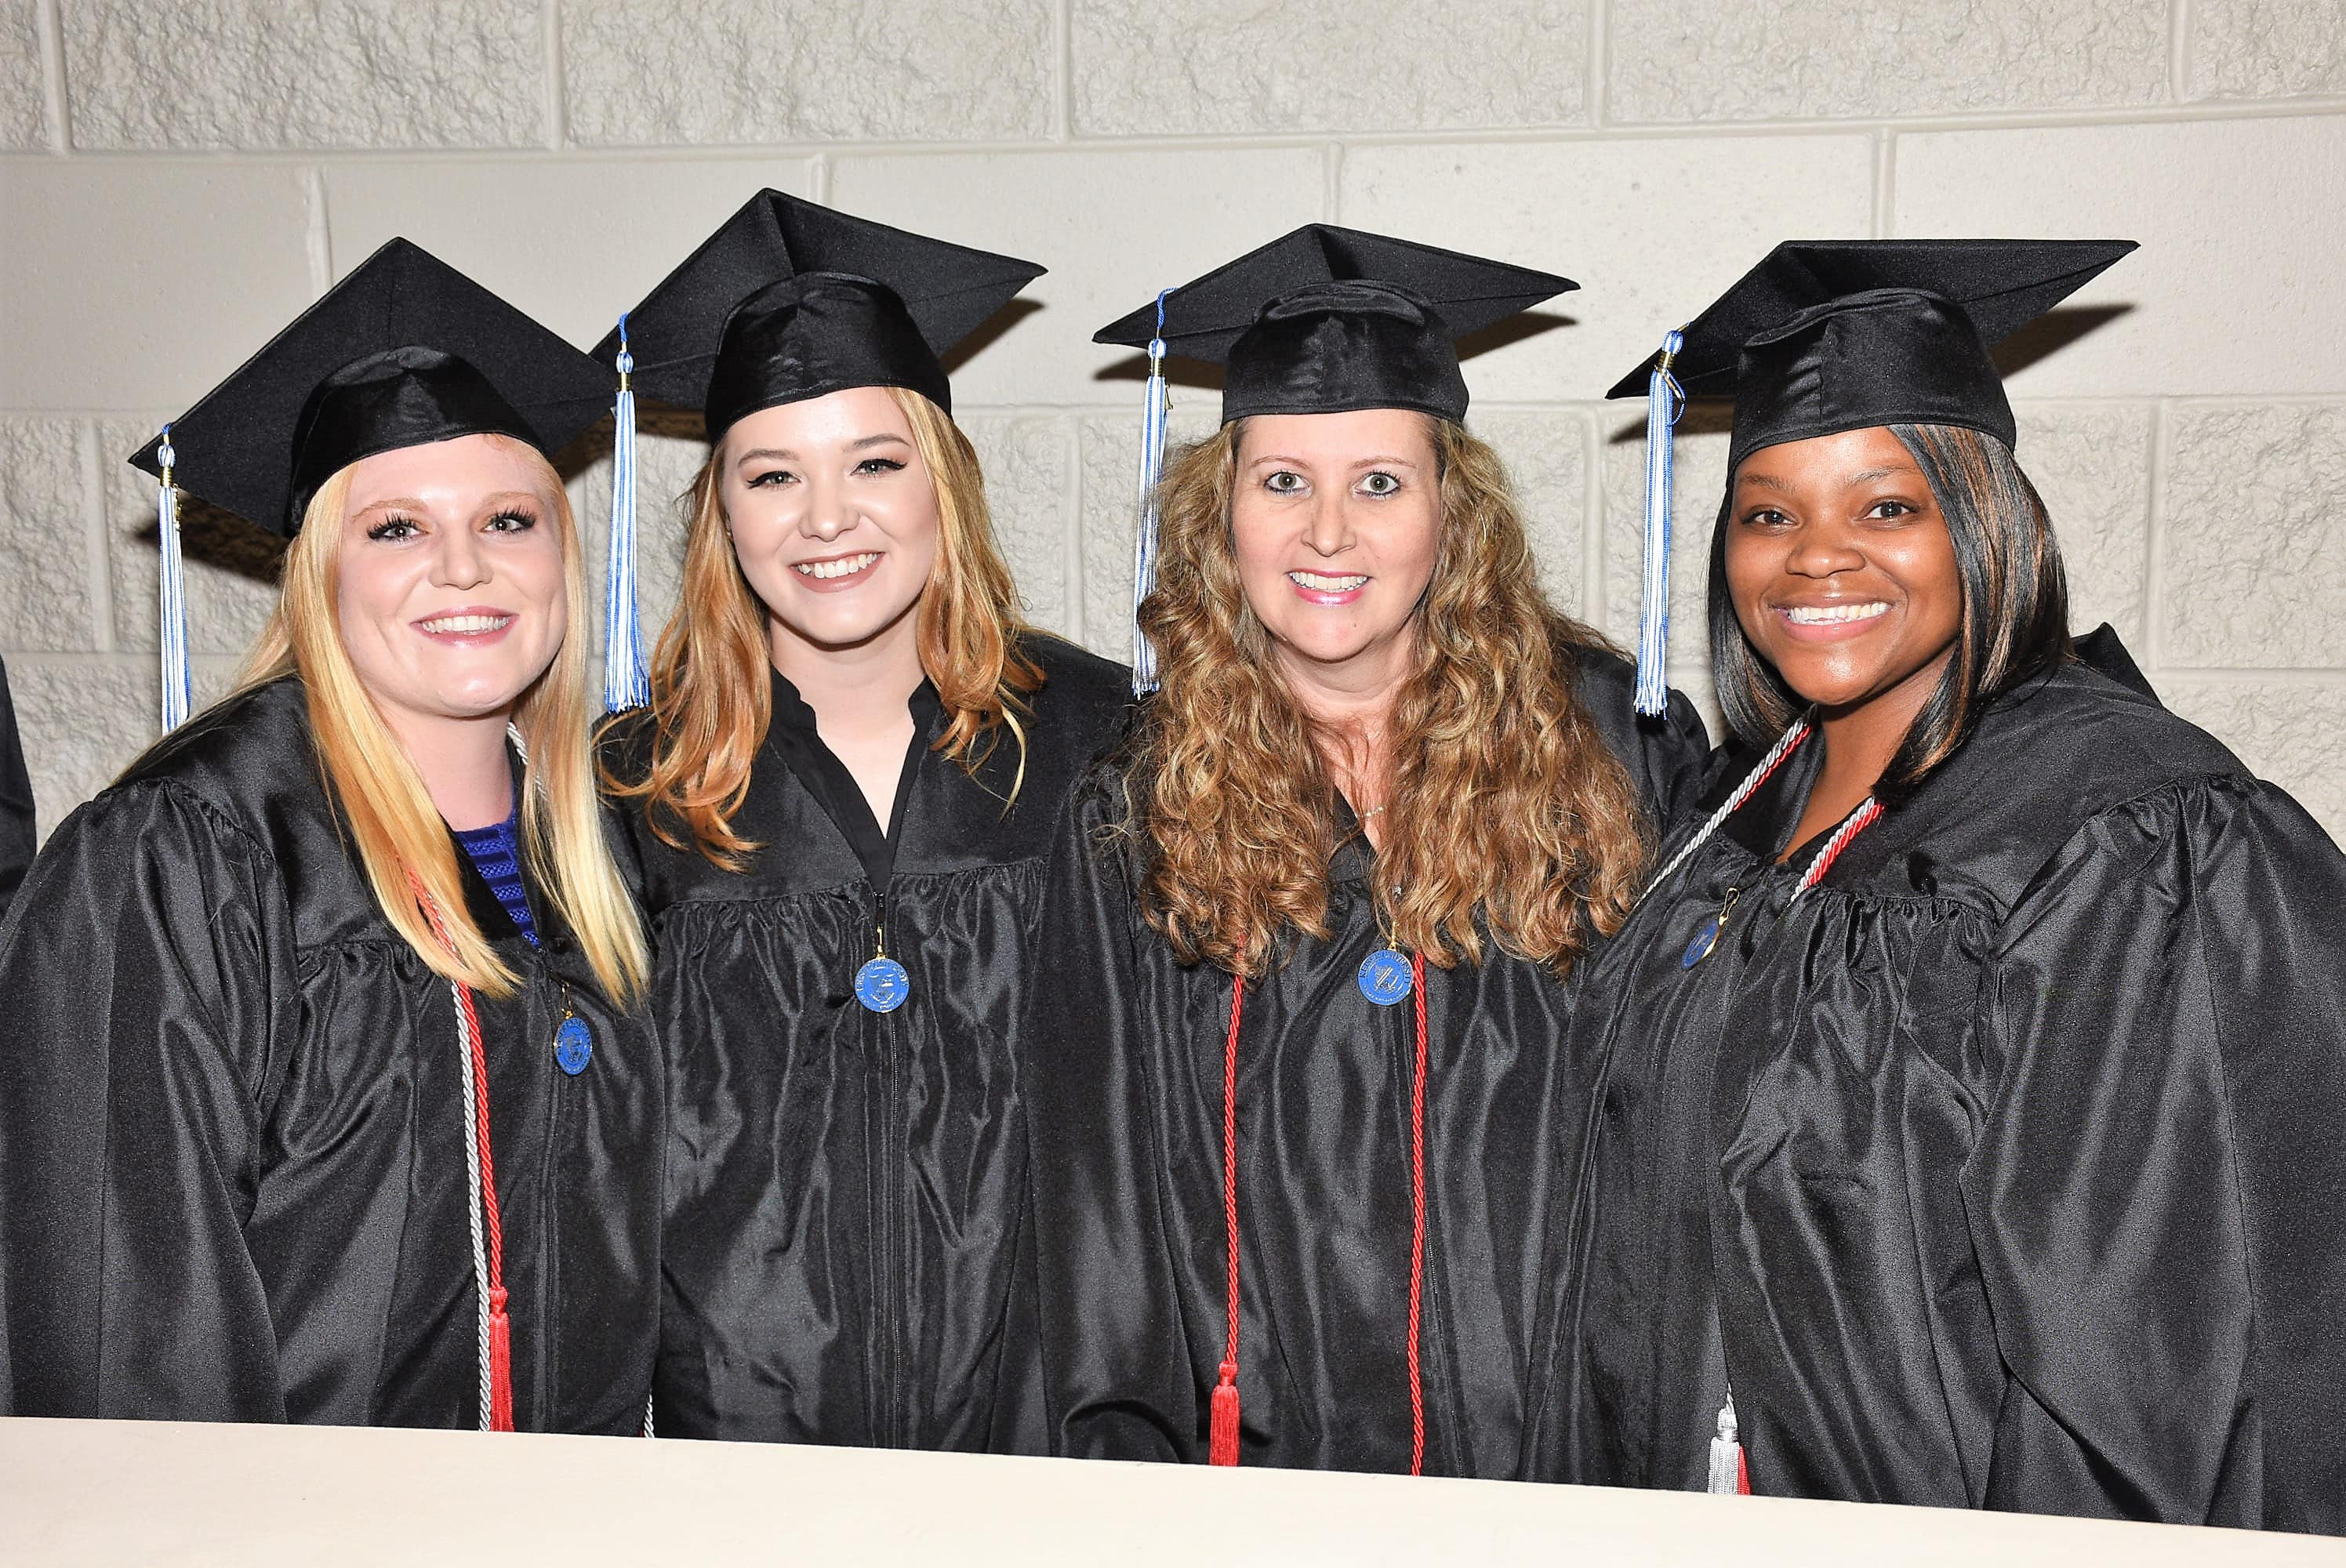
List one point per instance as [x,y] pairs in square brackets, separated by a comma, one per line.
[796,740]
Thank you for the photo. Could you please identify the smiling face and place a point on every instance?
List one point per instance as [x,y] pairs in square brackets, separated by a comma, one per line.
[448,577]
[833,516]
[1336,521]
[1842,570]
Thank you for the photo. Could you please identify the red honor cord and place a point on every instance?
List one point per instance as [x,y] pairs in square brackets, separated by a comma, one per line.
[499,1368]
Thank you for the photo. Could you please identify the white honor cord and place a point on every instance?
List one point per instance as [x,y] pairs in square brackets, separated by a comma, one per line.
[473,1190]
[1856,822]
[1743,791]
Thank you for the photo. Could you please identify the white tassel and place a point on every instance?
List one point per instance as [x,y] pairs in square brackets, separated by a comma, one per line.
[171,638]
[1152,465]
[1664,402]
[1726,1454]
[626,683]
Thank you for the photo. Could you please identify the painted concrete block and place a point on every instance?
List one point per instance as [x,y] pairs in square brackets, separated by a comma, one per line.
[24,86]
[44,590]
[1029,480]
[2254,563]
[1233,67]
[324,74]
[1545,452]
[2264,48]
[2091,464]
[643,73]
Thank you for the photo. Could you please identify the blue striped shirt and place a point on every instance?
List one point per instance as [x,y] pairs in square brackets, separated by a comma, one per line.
[496,853]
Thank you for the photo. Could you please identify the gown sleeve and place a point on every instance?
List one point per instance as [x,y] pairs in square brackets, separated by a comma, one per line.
[1117,1381]
[142,1000]
[1674,760]
[2157,1200]
[16,803]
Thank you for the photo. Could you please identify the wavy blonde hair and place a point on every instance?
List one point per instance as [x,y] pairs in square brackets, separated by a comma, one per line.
[1510,820]
[712,697]
[392,822]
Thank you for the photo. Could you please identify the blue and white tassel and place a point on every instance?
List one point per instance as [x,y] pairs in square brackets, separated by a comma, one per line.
[1665,402]
[625,681]
[171,638]
[1144,541]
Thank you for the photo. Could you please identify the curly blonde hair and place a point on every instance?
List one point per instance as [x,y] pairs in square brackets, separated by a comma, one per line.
[710,678]
[1510,820]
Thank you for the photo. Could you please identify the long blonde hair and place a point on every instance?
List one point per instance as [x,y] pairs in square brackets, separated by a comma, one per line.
[1508,815]
[712,697]
[395,828]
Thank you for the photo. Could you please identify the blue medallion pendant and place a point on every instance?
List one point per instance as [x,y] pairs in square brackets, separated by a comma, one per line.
[882,985]
[1384,976]
[573,1045]
[1706,936]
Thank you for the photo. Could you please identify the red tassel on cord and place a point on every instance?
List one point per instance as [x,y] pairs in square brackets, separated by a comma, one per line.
[1222,1429]
[1222,1447]
[501,1418]
[1742,1471]
[501,1399]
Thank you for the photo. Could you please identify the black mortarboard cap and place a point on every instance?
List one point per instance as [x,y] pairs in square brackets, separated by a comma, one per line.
[1828,335]
[403,352]
[789,299]
[1327,319]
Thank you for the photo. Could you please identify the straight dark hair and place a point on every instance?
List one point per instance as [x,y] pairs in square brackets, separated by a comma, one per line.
[2016,608]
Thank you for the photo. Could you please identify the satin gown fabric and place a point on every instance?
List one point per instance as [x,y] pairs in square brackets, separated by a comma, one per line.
[2007,1167]
[17,841]
[844,1187]
[232,1174]
[1125,1094]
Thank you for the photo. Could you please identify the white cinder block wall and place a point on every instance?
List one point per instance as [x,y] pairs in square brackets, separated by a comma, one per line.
[182,176]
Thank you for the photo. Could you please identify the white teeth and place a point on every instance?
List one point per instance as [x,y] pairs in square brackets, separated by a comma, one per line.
[464,625]
[845,567]
[1829,615]
[1319,585]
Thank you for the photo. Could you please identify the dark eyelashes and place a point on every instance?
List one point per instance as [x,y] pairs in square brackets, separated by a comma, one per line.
[396,524]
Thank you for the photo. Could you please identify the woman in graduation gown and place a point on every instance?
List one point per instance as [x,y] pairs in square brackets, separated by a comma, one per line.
[840,795]
[307,1113]
[1970,1131]
[1298,1111]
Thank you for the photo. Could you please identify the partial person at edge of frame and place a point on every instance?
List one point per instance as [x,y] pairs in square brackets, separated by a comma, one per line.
[840,797]
[1298,1117]
[16,838]
[1974,1090]
[321,1098]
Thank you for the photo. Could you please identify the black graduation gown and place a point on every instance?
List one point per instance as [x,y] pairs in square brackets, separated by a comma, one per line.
[1125,1096]
[16,803]
[2009,1160]
[844,1187]
[232,1173]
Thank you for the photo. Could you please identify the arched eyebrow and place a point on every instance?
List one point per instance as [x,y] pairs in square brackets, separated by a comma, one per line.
[416,503]
[1766,481]
[784,454]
